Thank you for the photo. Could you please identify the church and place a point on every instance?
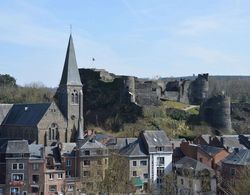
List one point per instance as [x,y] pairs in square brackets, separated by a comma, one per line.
[47,123]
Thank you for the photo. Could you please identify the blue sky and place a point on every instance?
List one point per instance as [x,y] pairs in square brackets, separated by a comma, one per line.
[144,38]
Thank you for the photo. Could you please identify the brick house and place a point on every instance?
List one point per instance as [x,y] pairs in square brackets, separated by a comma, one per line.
[209,155]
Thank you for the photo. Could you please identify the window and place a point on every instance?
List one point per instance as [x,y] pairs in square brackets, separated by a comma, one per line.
[17,177]
[86,162]
[17,166]
[134,163]
[99,162]
[52,188]
[200,159]
[74,97]
[24,193]
[134,173]
[68,173]
[160,171]
[160,161]
[14,191]
[51,176]
[53,132]
[68,163]
[70,188]
[87,152]
[182,181]
[35,179]
[59,176]
[159,148]
[145,175]
[159,180]
[35,166]
[86,173]
[143,163]
[232,171]
[106,161]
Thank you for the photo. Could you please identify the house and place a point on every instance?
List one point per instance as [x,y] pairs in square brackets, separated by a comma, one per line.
[229,142]
[194,177]
[159,151]
[209,155]
[138,161]
[54,173]
[93,161]
[24,168]
[235,168]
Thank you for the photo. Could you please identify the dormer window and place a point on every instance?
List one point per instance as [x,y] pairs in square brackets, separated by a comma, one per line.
[74,97]
[159,148]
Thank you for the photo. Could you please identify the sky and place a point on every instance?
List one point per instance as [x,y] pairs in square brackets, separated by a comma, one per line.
[143,38]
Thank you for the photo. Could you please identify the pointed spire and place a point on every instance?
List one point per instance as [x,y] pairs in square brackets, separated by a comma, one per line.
[70,75]
[80,120]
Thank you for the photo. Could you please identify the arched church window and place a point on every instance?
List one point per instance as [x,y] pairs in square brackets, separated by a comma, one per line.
[74,97]
[53,132]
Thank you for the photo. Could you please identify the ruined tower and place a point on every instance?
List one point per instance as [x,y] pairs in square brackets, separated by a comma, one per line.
[216,111]
[68,93]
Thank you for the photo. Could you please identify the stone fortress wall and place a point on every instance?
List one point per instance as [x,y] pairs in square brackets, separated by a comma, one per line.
[151,92]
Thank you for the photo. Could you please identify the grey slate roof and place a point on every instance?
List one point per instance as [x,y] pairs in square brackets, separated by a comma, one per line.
[17,146]
[135,149]
[4,110]
[212,151]
[68,149]
[231,141]
[190,163]
[35,151]
[26,114]
[92,145]
[70,75]
[242,157]
[119,143]
[156,138]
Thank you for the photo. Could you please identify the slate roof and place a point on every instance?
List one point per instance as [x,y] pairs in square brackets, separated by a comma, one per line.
[26,114]
[91,143]
[212,151]
[68,149]
[35,151]
[4,110]
[135,149]
[240,157]
[156,138]
[17,146]
[70,75]
[190,163]
[119,143]
[231,141]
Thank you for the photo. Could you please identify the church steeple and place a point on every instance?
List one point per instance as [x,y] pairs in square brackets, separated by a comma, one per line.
[70,75]
[69,94]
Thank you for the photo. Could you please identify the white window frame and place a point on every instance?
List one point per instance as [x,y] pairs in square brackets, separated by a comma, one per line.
[12,174]
[59,176]
[51,176]
[16,188]
[17,164]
